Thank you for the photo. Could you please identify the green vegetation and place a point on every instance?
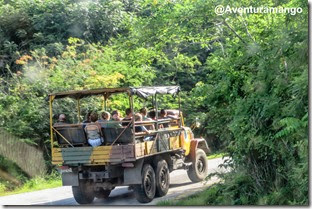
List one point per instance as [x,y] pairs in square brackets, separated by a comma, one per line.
[18,181]
[37,183]
[197,199]
[237,189]
[243,77]
[216,155]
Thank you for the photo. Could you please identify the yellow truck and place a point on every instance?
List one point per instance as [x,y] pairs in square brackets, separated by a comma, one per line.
[140,160]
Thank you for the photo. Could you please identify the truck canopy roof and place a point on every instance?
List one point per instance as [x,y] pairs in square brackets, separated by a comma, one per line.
[143,92]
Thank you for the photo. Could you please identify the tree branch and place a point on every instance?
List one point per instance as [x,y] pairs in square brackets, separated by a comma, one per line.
[238,36]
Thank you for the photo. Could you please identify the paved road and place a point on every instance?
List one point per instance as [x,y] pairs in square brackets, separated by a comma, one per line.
[180,185]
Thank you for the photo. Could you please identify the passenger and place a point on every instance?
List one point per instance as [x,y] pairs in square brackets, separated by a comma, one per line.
[163,116]
[143,112]
[174,116]
[93,131]
[87,120]
[105,117]
[55,116]
[128,117]
[152,115]
[115,117]
[61,120]
[138,117]
[88,117]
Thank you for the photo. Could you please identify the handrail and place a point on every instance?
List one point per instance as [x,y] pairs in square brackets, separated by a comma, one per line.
[151,122]
[155,132]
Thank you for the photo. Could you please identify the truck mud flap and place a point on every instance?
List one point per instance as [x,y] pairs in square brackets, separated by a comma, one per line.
[133,175]
[70,179]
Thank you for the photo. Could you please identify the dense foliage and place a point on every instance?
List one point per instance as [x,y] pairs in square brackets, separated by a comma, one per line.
[244,77]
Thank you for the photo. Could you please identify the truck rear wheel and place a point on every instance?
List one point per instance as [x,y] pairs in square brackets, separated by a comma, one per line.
[162,178]
[145,192]
[83,193]
[199,168]
[102,193]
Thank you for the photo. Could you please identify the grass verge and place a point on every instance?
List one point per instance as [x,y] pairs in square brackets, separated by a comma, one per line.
[216,155]
[197,199]
[34,184]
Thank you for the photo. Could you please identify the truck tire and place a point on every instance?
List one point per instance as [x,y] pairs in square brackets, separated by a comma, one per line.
[145,192]
[83,193]
[102,193]
[199,168]
[162,178]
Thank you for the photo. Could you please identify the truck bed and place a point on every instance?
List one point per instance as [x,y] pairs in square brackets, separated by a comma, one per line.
[111,154]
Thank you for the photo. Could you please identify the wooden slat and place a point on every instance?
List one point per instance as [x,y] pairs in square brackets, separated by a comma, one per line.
[79,149]
[139,149]
[75,149]
[100,148]
[90,162]
[66,155]
[150,147]
[57,162]
[76,162]
[70,158]
[86,153]
[103,156]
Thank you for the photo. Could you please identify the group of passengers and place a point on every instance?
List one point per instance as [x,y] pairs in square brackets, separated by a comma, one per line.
[93,125]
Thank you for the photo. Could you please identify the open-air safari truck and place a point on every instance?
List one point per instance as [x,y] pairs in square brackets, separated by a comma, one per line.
[125,158]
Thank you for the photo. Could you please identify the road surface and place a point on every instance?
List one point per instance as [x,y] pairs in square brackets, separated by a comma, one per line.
[180,185]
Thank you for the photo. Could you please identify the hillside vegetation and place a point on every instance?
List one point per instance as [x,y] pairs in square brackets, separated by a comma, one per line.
[244,77]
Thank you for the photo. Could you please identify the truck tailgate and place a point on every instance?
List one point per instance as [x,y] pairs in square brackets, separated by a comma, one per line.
[90,155]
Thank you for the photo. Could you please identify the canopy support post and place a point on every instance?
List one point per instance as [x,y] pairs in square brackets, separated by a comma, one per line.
[103,103]
[180,115]
[78,109]
[132,121]
[51,121]
[156,109]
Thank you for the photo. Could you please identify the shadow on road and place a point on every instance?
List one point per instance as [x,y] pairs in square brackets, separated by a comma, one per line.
[119,196]
[115,198]
[123,196]
[180,185]
[67,201]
